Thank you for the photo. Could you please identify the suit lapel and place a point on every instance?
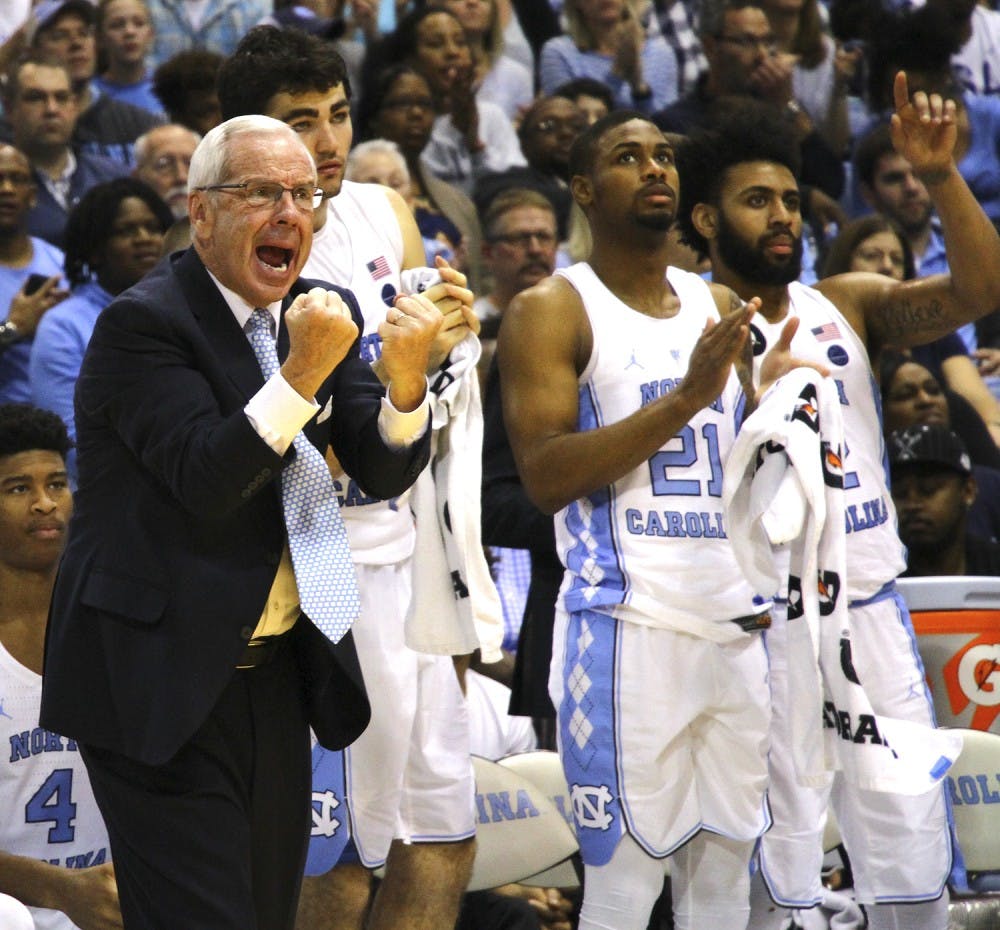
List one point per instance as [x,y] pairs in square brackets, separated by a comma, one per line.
[219,325]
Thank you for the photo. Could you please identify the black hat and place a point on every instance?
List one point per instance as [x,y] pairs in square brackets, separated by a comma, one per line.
[932,444]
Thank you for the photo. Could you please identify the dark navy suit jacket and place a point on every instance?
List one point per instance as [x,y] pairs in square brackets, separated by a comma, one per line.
[178,529]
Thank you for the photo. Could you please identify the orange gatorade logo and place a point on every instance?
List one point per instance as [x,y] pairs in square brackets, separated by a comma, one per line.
[972,676]
[961,653]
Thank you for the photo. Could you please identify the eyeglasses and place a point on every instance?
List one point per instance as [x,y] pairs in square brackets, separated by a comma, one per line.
[748,43]
[269,194]
[174,163]
[523,240]
[552,124]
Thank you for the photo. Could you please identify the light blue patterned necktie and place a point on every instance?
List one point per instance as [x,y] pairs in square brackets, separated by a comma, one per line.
[317,539]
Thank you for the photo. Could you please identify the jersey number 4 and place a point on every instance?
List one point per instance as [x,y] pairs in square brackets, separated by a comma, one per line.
[53,802]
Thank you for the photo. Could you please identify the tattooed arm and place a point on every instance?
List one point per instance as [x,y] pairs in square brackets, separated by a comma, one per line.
[915,312]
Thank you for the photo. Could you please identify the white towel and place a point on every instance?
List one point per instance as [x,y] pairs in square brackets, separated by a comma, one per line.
[784,486]
[455,607]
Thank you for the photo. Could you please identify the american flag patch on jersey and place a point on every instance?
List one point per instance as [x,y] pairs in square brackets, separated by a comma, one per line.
[379,268]
[826,332]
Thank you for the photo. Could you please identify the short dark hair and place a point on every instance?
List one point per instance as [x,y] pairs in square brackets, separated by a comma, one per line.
[753,131]
[11,85]
[24,428]
[871,147]
[91,221]
[919,40]
[189,72]
[713,14]
[589,87]
[378,83]
[584,148]
[271,61]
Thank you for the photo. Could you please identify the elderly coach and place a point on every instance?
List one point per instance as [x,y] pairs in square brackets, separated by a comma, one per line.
[199,621]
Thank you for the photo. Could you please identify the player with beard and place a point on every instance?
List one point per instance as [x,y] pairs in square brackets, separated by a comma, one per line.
[741,205]
[622,401]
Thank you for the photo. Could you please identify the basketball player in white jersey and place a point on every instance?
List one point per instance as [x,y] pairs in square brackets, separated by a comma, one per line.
[622,402]
[740,203]
[55,850]
[408,779]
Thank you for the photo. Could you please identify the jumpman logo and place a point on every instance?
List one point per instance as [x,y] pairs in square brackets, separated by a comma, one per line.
[634,361]
[4,713]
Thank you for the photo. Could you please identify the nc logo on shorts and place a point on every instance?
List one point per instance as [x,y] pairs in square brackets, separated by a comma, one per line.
[323,805]
[590,806]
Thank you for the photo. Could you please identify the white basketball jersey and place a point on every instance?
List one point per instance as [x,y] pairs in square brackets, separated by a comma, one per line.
[652,547]
[360,247]
[875,556]
[49,808]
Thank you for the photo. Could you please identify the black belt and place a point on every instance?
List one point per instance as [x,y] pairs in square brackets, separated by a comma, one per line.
[751,623]
[259,651]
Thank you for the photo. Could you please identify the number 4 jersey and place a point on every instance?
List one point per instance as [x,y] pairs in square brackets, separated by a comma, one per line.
[652,548]
[49,811]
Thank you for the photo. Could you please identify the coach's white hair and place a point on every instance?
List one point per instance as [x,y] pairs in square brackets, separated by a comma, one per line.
[209,163]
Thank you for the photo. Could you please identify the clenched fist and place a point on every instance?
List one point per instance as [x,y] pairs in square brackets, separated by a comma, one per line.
[321,332]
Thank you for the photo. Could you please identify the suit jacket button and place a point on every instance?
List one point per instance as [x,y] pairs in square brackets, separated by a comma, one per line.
[245,493]
[246,632]
[265,473]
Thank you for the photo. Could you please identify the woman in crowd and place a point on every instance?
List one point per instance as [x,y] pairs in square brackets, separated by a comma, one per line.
[468,137]
[113,237]
[499,78]
[607,40]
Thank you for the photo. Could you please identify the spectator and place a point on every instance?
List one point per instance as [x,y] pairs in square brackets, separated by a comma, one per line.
[125,36]
[677,20]
[162,159]
[546,133]
[398,106]
[113,237]
[933,489]
[876,244]
[743,61]
[105,126]
[610,42]
[214,26]
[30,272]
[912,396]
[592,97]
[520,250]
[55,853]
[500,79]
[185,85]
[469,137]
[42,109]
[821,72]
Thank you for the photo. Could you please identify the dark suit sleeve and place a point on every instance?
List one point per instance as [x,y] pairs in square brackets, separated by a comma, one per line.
[156,389]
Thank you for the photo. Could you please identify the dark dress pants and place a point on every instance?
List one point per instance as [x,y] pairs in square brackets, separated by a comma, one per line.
[215,838]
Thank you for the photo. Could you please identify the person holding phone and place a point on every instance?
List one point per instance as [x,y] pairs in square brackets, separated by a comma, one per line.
[30,274]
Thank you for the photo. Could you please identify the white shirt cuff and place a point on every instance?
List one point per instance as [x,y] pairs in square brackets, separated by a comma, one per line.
[400,430]
[278,412]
